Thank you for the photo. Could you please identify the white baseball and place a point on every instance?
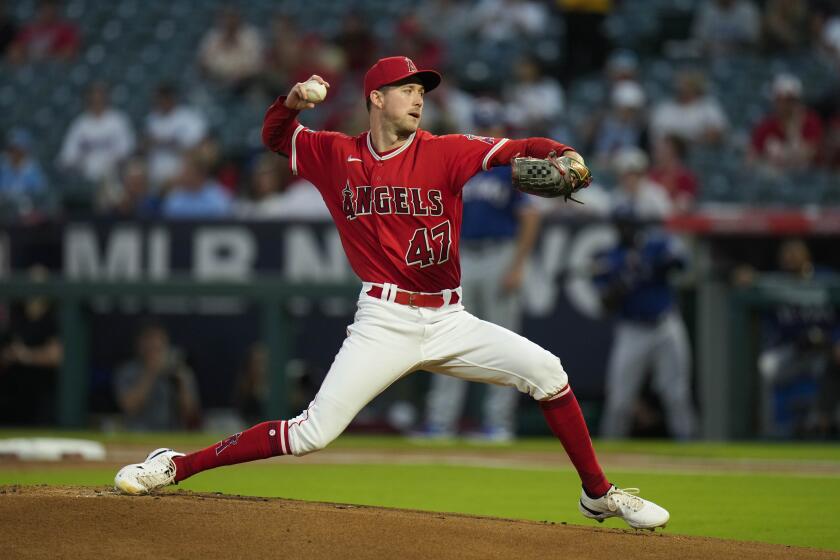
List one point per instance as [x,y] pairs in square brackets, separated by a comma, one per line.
[315,91]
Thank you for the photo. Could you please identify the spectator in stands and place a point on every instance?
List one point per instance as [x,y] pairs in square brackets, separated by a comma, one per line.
[534,100]
[786,26]
[98,140]
[637,194]
[416,42]
[691,114]
[727,26]
[134,196]
[625,126]
[669,170]
[23,186]
[449,108]
[318,56]
[231,53]
[195,194]
[48,36]
[788,138]
[31,354]
[8,29]
[171,130]
[622,65]
[357,42]
[157,390]
[446,20]
[501,21]
[264,197]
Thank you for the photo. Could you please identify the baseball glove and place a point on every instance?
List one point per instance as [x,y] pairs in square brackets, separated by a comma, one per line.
[551,177]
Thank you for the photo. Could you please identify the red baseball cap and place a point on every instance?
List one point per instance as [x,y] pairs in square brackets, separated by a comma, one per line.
[395,68]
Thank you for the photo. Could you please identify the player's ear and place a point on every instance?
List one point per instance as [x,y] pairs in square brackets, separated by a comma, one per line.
[377,98]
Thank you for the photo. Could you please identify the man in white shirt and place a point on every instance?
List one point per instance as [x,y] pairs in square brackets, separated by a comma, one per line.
[171,130]
[98,139]
[637,193]
[232,52]
[691,115]
[534,100]
[727,26]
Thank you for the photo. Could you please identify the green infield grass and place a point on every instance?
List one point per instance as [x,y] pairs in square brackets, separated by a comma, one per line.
[791,509]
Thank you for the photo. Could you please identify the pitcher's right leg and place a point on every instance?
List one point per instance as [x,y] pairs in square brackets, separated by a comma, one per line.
[489,353]
[381,347]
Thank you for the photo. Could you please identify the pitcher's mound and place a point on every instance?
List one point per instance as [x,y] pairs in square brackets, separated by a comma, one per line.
[84,522]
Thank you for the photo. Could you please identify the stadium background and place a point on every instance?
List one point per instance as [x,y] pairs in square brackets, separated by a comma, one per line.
[268,270]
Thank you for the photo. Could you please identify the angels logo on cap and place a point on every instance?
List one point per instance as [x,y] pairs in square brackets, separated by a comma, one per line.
[395,68]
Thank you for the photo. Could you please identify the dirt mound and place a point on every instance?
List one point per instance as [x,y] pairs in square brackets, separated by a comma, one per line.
[84,522]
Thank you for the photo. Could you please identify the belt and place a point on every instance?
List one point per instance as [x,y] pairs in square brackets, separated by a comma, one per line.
[415,299]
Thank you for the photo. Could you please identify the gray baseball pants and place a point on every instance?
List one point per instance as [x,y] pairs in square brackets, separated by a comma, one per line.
[483,268]
[638,348]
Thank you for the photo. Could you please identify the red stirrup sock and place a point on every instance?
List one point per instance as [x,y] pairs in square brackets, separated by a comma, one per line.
[566,421]
[260,442]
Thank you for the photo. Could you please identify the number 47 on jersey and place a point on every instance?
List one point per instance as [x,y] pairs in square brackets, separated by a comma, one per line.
[429,246]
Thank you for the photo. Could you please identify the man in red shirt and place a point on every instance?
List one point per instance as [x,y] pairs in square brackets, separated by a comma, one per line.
[48,36]
[394,193]
[790,137]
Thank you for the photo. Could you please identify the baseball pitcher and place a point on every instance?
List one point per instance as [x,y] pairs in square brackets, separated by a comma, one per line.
[394,193]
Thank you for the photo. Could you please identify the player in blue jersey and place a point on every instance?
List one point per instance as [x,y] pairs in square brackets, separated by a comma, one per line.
[633,280]
[498,233]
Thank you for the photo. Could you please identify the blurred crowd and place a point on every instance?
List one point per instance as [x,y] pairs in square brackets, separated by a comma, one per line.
[169,161]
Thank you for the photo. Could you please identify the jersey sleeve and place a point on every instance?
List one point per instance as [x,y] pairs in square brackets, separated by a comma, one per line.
[310,152]
[466,154]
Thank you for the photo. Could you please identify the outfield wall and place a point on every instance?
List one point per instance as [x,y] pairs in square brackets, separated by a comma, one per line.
[136,259]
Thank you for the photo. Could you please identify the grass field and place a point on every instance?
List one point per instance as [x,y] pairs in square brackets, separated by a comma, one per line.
[775,507]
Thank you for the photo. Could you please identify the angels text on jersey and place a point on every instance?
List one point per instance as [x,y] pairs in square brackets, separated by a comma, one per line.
[383,200]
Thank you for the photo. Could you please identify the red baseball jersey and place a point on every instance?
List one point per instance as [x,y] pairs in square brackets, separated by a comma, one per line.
[398,213]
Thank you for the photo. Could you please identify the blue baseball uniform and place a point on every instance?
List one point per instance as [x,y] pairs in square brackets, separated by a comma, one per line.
[488,234]
[633,280]
[642,273]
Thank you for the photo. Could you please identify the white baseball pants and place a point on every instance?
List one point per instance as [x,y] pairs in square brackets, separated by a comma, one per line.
[387,341]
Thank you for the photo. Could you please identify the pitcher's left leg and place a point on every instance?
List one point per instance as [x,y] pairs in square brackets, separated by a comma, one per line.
[466,347]
[488,353]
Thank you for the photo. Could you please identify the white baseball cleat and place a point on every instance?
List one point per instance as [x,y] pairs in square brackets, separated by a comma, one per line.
[157,471]
[626,504]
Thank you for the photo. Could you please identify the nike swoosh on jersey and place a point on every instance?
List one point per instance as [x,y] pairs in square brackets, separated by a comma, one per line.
[351,158]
